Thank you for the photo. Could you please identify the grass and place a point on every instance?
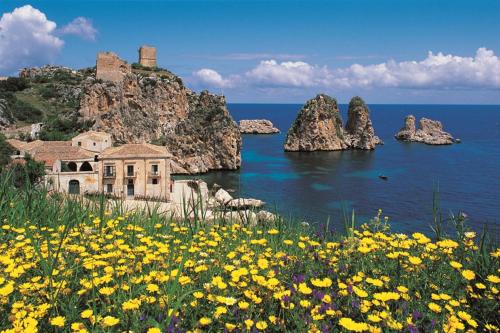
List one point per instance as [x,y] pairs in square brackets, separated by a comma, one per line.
[68,264]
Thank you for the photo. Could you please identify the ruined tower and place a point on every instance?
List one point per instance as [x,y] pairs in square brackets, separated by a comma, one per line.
[109,67]
[147,56]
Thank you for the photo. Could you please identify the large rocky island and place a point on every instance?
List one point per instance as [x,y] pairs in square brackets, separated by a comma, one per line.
[429,132]
[134,103]
[257,126]
[318,126]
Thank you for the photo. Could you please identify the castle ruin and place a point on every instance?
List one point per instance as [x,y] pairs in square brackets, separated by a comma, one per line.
[109,67]
[147,56]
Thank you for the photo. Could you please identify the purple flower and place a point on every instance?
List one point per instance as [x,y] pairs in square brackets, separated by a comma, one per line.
[349,289]
[416,315]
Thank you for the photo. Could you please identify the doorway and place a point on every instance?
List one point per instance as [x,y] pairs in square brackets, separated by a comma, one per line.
[74,187]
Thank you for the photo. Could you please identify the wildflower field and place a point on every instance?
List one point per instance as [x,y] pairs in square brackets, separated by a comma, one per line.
[74,266]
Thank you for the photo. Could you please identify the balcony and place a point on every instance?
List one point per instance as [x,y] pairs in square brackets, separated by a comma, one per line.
[131,174]
[154,174]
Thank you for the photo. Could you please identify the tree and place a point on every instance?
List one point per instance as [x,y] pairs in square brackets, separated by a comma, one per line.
[5,151]
[27,171]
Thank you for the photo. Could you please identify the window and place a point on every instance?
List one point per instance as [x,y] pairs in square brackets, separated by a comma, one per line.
[94,143]
[79,143]
[109,170]
[109,188]
[154,169]
[155,181]
[130,170]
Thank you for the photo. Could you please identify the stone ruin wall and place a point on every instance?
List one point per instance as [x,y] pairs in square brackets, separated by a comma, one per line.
[109,67]
[147,56]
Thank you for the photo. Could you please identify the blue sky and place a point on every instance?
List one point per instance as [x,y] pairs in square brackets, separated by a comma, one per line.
[279,51]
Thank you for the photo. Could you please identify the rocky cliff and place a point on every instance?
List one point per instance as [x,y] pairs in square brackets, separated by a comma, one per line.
[359,132]
[318,126]
[147,105]
[429,132]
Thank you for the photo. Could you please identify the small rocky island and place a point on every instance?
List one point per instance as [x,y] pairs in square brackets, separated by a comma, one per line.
[257,126]
[429,132]
[318,127]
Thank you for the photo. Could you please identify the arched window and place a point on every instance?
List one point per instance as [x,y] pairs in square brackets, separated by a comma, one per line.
[86,166]
[74,187]
[72,166]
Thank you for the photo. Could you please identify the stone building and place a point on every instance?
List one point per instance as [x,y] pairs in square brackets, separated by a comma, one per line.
[92,141]
[136,170]
[89,164]
[109,67]
[67,168]
[147,56]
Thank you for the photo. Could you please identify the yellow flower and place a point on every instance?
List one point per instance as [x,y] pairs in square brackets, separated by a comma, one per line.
[154,330]
[110,321]
[152,288]
[204,321]
[198,294]
[434,307]
[455,264]
[386,296]
[230,327]
[132,304]
[243,305]
[374,318]
[468,274]
[57,321]
[249,323]
[261,325]
[263,263]
[304,289]
[273,232]
[415,260]
[493,279]
[86,313]
[351,325]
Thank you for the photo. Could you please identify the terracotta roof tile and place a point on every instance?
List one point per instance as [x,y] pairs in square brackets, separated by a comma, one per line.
[138,150]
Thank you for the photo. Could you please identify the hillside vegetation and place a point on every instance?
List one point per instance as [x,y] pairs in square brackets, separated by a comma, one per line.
[72,265]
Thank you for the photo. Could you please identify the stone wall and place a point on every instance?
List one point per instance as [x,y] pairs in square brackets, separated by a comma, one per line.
[147,56]
[109,67]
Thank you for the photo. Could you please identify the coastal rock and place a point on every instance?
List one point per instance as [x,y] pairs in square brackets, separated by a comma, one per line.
[318,126]
[196,128]
[264,216]
[244,203]
[359,132]
[222,197]
[257,126]
[429,132]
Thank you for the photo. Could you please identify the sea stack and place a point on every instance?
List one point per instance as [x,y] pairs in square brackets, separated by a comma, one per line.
[359,132]
[318,126]
[429,132]
[257,126]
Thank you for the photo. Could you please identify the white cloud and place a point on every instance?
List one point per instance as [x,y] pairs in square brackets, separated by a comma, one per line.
[81,27]
[437,71]
[289,73]
[209,77]
[27,38]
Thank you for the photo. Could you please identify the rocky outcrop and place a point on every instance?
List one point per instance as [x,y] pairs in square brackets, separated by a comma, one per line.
[245,203]
[318,126]
[257,126]
[196,128]
[429,132]
[359,132]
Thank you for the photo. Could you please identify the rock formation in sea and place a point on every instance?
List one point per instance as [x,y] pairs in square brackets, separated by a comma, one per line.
[429,132]
[318,126]
[257,126]
[359,132]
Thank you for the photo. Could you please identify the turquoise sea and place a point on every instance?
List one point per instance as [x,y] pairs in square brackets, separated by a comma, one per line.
[318,186]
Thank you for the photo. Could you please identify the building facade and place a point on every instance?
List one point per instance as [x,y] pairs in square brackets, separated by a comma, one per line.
[136,171]
[89,164]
